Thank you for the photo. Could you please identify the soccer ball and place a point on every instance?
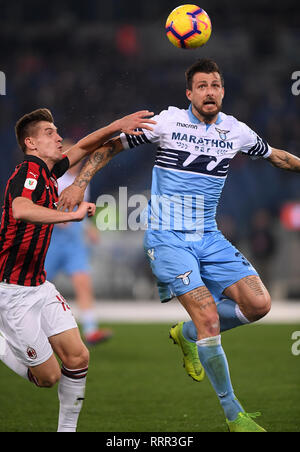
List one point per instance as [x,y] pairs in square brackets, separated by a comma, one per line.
[188,27]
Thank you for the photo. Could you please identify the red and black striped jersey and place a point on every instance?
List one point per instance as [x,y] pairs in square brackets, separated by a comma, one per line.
[23,246]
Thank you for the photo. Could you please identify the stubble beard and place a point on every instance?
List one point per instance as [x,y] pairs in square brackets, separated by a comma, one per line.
[208,116]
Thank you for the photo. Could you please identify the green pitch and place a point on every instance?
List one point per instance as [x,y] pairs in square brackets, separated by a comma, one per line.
[136,383]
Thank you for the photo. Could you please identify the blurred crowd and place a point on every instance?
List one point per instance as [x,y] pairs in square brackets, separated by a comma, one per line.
[94,61]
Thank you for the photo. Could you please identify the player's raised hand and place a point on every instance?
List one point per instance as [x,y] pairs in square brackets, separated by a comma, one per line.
[84,208]
[70,197]
[139,120]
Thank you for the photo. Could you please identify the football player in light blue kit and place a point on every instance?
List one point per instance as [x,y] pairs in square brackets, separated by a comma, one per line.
[189,256]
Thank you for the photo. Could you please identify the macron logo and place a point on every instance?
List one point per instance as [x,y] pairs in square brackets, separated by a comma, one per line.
[188,126]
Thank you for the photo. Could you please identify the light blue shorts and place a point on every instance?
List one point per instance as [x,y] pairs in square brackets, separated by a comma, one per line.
[67,252]
[181,265]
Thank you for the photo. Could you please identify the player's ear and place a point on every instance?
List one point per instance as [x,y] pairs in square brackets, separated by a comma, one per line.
[188,93]
[29,143]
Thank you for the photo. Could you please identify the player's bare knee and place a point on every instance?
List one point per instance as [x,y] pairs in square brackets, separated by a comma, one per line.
[260,308]
[214,326]
[263,309]
[84,357]
[211,326]
[77,360]
[48,381]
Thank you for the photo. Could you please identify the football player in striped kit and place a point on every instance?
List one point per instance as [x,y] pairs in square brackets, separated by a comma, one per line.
[191,259]
[35,320]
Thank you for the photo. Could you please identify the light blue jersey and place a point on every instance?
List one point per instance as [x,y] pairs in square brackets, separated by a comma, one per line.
[191,166]
[183,244]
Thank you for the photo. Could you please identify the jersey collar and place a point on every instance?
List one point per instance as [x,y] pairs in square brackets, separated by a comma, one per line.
[40,162]
[195,120]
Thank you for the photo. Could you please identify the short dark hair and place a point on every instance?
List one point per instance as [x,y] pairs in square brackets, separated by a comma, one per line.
[25,125]
[206,65]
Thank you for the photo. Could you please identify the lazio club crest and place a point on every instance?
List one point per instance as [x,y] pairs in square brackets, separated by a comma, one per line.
[185,277]
[222,133]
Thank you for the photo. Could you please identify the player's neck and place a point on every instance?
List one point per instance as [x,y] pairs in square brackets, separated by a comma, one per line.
[50,163]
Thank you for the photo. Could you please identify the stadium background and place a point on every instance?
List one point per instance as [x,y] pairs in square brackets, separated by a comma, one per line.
[94,61]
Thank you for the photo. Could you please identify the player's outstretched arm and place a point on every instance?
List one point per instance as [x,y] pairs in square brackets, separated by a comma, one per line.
[25,210]
[127,124]
[284,160]
[73,195]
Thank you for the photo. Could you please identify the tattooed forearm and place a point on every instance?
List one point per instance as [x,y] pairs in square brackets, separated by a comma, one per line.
[83,180]
[254,283]
[284,160]
[96,161]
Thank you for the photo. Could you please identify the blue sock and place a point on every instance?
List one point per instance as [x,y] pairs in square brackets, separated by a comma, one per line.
[213,359]
[189,331]
[230,317]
